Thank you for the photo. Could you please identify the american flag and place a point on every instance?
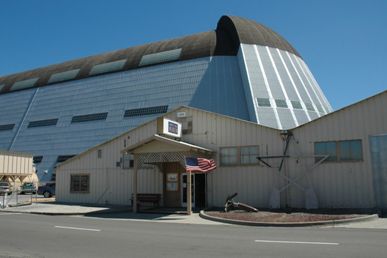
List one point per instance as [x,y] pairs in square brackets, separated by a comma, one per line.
[199,164]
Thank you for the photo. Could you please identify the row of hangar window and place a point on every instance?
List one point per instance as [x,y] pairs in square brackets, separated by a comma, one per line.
[92,117]
[281,103]
[108,67]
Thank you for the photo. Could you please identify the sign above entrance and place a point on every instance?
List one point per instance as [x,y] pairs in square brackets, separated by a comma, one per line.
[169,127]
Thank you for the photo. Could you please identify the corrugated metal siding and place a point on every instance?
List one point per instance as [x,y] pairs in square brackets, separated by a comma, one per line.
[340,184]
[212,83]
[14,164]
[336,185]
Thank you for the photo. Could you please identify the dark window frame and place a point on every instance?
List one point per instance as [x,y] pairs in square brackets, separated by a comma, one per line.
[80,183]
[42,123]
[7,127]
[135,112]
[238,156]
[89,117]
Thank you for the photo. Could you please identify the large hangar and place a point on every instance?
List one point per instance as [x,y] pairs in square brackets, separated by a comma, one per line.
[241,69]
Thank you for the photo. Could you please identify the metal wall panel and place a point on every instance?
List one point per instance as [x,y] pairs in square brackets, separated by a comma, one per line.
[212,83]
[339,184]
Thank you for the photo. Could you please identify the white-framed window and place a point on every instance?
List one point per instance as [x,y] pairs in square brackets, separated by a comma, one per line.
[348,150]
[249,155]
[241,155]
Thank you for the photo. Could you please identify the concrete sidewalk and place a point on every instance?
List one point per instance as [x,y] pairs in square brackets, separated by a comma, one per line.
[107,213]
[61,209]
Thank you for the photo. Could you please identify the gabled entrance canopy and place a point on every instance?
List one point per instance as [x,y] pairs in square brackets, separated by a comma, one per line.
[158,149]
[158,143]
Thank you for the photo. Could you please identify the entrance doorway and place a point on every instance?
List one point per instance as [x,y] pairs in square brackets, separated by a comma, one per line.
[198,190]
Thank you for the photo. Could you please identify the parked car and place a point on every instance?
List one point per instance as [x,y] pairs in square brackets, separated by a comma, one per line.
[5,188]
[47,190]
[28,188]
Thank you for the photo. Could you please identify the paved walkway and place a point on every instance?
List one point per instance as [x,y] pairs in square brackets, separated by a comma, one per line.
[106,213]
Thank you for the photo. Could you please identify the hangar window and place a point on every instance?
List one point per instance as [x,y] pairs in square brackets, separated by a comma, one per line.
[350,150]
[296,104]
[89,117]
[63,158]
[63,76]
[79,183]
[46,122]
[309,106]
[145,111]
[7,127]
[19,85]
[281,103]
[263,102]
[319,108]
[160,57]
[107,67]
[37,159]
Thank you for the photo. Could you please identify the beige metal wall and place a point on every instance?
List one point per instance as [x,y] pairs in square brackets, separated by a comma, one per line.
[17,164]
[338,184]
[252,183]
[109,184]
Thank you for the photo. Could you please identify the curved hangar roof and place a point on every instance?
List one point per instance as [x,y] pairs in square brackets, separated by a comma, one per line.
[230,32]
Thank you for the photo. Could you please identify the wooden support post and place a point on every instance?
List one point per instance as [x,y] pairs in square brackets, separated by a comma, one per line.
[189,193]
[134,183]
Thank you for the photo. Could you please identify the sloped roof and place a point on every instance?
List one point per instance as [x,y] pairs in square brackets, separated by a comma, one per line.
[230,32]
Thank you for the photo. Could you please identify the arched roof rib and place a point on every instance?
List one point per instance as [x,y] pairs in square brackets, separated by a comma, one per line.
[231,31]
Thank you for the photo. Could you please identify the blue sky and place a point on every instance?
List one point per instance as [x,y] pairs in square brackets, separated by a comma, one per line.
[344,42]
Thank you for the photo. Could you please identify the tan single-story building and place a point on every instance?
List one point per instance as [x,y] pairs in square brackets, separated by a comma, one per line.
[336,161]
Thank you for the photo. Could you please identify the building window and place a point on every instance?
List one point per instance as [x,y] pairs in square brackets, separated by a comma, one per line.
[146,111]
[229,156]
[249,155]
[160,57]
[63,158]
[7,127]
[99,154]
[281,103]
[309,106]
[296,104]
[37,159]
[79,183]
[350,150]
[46,122]
[89,117]
[233,156]
[263,102]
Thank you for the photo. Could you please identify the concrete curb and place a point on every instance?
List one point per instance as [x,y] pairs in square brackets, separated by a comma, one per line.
[203,215]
